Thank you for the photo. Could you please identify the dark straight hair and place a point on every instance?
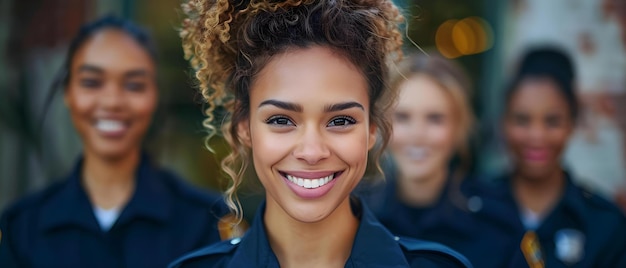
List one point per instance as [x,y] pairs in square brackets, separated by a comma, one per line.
[137,33]
[551,63]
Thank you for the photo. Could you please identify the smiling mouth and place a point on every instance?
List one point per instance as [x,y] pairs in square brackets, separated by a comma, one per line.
[107,125]
[311,183]
[417,153]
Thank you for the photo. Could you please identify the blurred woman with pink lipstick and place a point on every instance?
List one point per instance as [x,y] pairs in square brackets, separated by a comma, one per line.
[305,85]
[552,222]
[116,208]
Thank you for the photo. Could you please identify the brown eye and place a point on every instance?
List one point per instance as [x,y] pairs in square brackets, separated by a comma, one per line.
[341,121]
[554,121]
[91,83]
[521,120]
[401,117]
[279,120]
[135,86]
[435,118]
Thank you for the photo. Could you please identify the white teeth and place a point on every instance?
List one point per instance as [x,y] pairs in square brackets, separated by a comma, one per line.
[417,153]
[311,183]
[109,125]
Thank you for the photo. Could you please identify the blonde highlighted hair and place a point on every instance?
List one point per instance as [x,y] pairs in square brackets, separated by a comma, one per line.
[229,42]
[455,83]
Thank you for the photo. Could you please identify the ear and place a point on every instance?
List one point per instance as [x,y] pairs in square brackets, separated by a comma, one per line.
[371,141]
[243,132]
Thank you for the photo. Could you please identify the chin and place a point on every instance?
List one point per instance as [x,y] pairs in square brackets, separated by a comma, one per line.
[535,173]
[309,212]
[113,153]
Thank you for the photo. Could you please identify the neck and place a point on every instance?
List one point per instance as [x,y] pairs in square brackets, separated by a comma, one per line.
[328,242]
[422,192]
[539,195]
[109,182]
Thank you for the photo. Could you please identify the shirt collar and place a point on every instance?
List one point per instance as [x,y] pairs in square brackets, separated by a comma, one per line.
[70,206]
[373,245]
[570,202]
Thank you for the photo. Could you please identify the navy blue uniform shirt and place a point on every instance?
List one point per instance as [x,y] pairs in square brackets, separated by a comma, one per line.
[582,230]
[57,227]
[373,246]
[460,225]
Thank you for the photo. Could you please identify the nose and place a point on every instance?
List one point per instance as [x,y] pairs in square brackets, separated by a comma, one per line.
[418,129]
[537,132]
[112,97]
[311,147]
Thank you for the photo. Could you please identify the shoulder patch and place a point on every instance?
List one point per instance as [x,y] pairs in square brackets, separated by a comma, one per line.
[416,245]
[223,247]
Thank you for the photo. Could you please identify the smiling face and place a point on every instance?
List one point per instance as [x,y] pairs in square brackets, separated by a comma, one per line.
[111,94]
[424,130]
[538,124]
[309,131]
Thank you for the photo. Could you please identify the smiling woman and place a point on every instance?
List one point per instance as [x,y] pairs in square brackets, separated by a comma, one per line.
[304,83]
[116,208]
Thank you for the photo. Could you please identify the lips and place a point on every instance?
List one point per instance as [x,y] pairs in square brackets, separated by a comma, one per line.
[310,185]
[536,155]
[416,153]
[111,127]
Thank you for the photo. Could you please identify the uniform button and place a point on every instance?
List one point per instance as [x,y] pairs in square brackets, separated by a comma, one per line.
[235,241]
[474,204]
[396,238]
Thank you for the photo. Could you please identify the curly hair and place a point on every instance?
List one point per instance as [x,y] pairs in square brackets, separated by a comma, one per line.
[228,42]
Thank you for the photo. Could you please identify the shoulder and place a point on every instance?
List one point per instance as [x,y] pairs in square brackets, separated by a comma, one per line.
[31,203]
[594,200]
[424,253]
[209,256]
[600,209]
[191,195]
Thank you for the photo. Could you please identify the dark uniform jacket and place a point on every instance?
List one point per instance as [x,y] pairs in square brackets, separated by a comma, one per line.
[57,227]
[456,220]
[373,246]
[583,229]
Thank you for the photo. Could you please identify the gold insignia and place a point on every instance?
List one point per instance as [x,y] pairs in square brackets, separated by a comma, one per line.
[532,250]
[230,227]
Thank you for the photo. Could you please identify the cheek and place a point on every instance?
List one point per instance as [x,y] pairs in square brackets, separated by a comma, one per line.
[350,148]
[444,138]
[80,105]
[269,148]
[144,106]
[401,135]
[560,137]
[514,135]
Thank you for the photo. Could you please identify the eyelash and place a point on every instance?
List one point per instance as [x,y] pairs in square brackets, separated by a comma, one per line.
[350,120]
[273,120]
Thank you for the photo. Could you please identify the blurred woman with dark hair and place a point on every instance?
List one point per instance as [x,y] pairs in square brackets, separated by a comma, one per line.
[554,222]
[116,208]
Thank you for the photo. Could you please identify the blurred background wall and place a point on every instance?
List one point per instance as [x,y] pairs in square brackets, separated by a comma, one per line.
[39,146]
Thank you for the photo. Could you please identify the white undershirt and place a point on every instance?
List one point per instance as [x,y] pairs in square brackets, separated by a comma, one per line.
[530,219]
[106,217]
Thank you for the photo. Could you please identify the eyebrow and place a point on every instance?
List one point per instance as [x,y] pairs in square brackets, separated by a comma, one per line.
[128,74]
[136,73]
[90,68]
[283,105]
[343,106]
[298,108]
